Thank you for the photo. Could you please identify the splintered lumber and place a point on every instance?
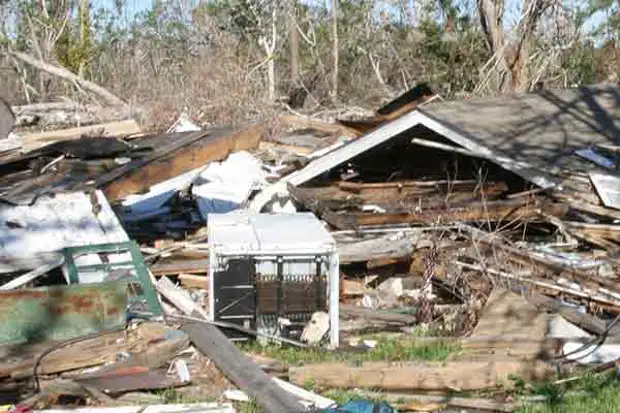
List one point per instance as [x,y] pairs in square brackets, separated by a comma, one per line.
[594,209]
[185,152]
[531,257]
[453,375]
[308,123]
[31,275]
[111,129]
[87,353]
[180,266]
[235,365]
[194,281]
[479,212]
[368,314]
[377,248]
[429,193]
[587,322]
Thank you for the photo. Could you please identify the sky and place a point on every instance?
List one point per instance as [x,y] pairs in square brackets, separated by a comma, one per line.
[136,6]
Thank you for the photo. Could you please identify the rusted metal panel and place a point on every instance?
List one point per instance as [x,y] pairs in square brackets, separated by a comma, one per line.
[61,312]
[131,379]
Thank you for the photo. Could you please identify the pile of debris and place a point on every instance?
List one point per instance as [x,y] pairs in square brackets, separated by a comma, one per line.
[133,262]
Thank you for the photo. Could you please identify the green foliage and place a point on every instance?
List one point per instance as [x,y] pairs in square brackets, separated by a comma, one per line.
[592,394]
[387,349]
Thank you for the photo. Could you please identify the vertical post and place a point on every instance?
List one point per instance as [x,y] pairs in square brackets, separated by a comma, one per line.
[334,302]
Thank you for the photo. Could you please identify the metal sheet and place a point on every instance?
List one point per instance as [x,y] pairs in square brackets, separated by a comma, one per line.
[608,188]
[125,381]
[61,312]
[54,223]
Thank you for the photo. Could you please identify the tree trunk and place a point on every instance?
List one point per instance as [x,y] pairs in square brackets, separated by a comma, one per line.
[67,75]
[335,54]
[293,41]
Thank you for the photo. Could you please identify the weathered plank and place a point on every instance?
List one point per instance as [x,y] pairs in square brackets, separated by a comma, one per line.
[479,212]
[454,375]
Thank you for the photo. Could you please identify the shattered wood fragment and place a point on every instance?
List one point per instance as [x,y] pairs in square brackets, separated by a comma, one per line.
[194,281]
[308,123]
[84,354]
[531,257]
[368,314]
[200,266]
[495,211]
[34,141]
[453,375]
[585,321]
[385,247]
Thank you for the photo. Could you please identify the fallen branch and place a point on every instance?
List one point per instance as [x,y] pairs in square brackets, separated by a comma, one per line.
[67,75]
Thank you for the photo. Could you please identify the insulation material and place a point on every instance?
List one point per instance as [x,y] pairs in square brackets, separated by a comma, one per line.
[608,188]
[225,186]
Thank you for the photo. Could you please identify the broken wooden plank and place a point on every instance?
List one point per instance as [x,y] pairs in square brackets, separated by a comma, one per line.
[495,211]
[235,365]
[388,246]
[194,281]
[593,209]
[180,266]
[34,141]
[374,315]
[585,321]
[18,361]
[318,125]
[425,402]
[194,150]
[453,375]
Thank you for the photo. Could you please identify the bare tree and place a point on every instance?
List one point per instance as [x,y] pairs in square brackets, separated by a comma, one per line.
[511,57]
[335,50]
[293,41]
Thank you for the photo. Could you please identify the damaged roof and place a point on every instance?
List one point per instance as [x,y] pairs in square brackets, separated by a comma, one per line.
[543,128]
[533,135]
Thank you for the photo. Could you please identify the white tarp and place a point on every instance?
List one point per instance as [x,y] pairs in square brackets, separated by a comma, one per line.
[225,186]
[218,187]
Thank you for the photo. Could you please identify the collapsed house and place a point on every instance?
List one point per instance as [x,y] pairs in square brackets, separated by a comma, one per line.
[425,214]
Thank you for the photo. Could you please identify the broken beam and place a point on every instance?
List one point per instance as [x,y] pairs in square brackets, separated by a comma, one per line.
[481,212]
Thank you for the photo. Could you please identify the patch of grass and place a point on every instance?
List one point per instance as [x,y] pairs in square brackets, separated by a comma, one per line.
[592,394]
[387,349]
[173,396]
[249,407]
